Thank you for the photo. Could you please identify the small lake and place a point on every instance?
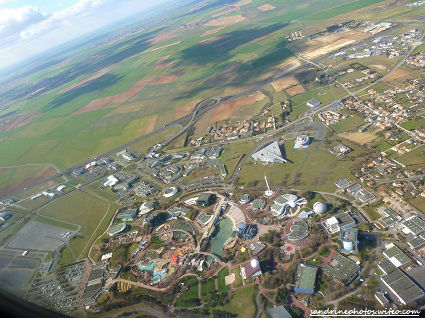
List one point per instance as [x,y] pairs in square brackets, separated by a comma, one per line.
[225,231]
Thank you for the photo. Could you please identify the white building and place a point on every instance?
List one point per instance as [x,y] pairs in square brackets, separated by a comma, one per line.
[269,154]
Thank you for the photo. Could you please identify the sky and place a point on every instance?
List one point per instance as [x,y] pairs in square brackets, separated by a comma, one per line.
[29,27]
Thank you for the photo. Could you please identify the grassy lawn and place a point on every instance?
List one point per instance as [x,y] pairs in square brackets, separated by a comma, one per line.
[233,153]
[189,298]
[208,286]
[242,303]
[418,123]
[325,95]
[12,179]
[307,169]
[347,124]
[81,208]
[419,203]
[372,211]
[222,287]
[414,157]
[57,223]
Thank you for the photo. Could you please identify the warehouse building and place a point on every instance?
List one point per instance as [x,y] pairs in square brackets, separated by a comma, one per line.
[305,278]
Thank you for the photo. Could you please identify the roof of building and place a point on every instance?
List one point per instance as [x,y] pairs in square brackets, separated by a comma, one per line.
[205,198]
[204,218]
[305,278]
[118,228]
[298,230]
[345,219]
[354,188]
[389,217]
[417,241]
[313,103]
[342,183]
[342,269]
[396,255]
[366,196]
[386,266]
[402,286]
[278,312]
[257,247]
[349,234]
[259,204]
[415,225]
[270,153]
[251,269]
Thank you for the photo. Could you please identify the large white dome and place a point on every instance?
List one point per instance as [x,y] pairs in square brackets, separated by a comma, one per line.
[319,208]
[255,263]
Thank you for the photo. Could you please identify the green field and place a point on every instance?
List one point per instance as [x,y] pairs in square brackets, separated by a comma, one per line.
[222,287]
[178,68]
[208,286]
[350,123]
[413,157]
[15,178]
[233,153]
[188,298]
[91,212]
[242,303]
[417,123]
[307,169]
[419,203]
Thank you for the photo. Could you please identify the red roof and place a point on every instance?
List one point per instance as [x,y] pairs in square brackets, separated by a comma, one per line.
[174,259]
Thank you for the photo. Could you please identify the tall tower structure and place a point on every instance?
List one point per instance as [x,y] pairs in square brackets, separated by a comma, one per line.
[268,192]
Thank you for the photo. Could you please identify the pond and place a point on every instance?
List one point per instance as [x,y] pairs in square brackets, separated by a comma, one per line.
[223,231]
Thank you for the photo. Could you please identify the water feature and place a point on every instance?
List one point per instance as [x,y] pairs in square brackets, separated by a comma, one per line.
[223,232]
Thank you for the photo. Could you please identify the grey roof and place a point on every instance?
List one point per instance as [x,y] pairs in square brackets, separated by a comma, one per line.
[345,219]
[342,183]
[313,103]
[257,247]
[386,266]
[342,269]
[402,286]
[270,153]
[354,188]
[415,224]
[390,217]
[366,196]
[349,234]
[278,312]
[417,242]
[396,256]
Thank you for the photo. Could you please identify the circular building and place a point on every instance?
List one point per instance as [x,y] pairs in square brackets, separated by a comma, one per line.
[255,263]
[319,208]
[301,141]
[170,192]
[245,199]
[297,230]
[116,229]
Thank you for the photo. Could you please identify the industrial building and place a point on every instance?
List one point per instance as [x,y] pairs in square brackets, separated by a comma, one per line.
[348,238]
[342,269]
[405,289]
[338,222]
[395,255]
[313,103]
[305,278]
